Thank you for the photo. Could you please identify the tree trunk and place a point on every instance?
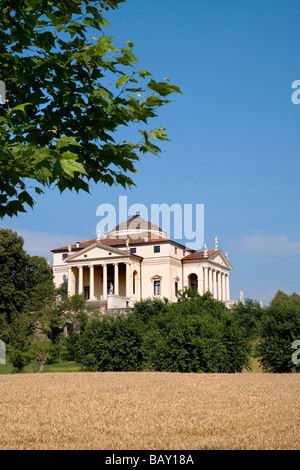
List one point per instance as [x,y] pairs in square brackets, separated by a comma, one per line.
[42,363]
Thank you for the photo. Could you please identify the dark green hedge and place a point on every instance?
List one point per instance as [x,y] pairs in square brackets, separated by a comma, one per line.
[195,335]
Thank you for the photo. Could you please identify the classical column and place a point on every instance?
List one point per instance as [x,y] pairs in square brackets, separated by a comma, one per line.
[227,287]
[223,287]
[215,284]
[127,280]
[205,279]
[104,281]
[116,279]
[219,286]
[80,287]
[70,280]
[92,282]
[210,286]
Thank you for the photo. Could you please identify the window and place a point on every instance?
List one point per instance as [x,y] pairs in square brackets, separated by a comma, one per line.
[156,287]
[175,250]
[176,288]
[132,250]
[157,249]
[64,255]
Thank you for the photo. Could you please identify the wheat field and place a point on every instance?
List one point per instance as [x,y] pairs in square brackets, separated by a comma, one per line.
[149,411]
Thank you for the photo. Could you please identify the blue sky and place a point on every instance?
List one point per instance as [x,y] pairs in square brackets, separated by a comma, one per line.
[234,136]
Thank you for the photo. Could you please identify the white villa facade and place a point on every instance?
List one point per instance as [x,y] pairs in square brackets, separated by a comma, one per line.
[136,261]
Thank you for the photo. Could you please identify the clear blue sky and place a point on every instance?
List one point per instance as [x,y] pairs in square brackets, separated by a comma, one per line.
[235,136]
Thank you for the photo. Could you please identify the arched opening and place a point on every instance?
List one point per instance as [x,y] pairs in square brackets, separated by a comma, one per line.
[134,280]
[193,282]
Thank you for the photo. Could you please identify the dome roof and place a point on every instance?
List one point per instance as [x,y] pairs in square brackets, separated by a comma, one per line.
[136,227]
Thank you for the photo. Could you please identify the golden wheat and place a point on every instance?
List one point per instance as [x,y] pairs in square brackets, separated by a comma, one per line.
[149,411]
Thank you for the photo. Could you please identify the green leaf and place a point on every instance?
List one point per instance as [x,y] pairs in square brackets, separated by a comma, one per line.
[70,166]
[144,73]
[20,107]
[163,88]
[121,80]
[65,141]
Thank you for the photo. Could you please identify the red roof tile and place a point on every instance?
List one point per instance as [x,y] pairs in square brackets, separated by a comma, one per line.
[200,255]
[113,242]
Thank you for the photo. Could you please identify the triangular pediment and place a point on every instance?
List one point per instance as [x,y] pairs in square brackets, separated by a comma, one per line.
[97,251]
[221,259]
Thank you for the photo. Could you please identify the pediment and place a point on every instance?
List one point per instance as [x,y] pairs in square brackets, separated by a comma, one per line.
[157,277]
[96,251]
[221,259]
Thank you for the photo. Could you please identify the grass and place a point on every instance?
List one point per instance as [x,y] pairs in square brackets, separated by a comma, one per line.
[149,411]
[62,366]
[72,366]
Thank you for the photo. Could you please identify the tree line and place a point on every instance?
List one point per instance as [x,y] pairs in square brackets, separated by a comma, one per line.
[195,334]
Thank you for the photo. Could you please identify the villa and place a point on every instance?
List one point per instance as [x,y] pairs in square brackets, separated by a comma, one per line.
[135,261]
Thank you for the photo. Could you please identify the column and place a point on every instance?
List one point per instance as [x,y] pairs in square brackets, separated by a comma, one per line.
[127,280]
[219,286]
[215,284]
[223,287]
[227,287]
[210,286]
[104,281]
[80,287]
[205,279]
[200,282]
[92,283]
[70,280]
[116,279]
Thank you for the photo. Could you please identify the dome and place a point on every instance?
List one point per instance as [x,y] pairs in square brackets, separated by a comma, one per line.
[136,227]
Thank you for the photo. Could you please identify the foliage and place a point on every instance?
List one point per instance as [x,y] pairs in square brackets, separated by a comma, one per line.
[26,283]
[71,94]
[64,311]
[110,343]
[187,294]
[248,315]
[31,306]
[41,351]
[147,308]
[21,334]
[280,327]
[197,335]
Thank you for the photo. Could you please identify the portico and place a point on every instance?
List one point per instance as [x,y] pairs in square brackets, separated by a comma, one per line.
[208,271]
[97,280]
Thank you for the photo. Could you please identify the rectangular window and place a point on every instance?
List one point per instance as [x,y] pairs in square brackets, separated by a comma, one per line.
[156,287]
[157,249]
[132,250]
[64,255]
[175,250]
[176,288]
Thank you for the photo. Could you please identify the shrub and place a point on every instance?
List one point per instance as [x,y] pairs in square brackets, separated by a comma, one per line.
[196,335]
[110,344]
[280,327]
[248,315]
[145,309]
